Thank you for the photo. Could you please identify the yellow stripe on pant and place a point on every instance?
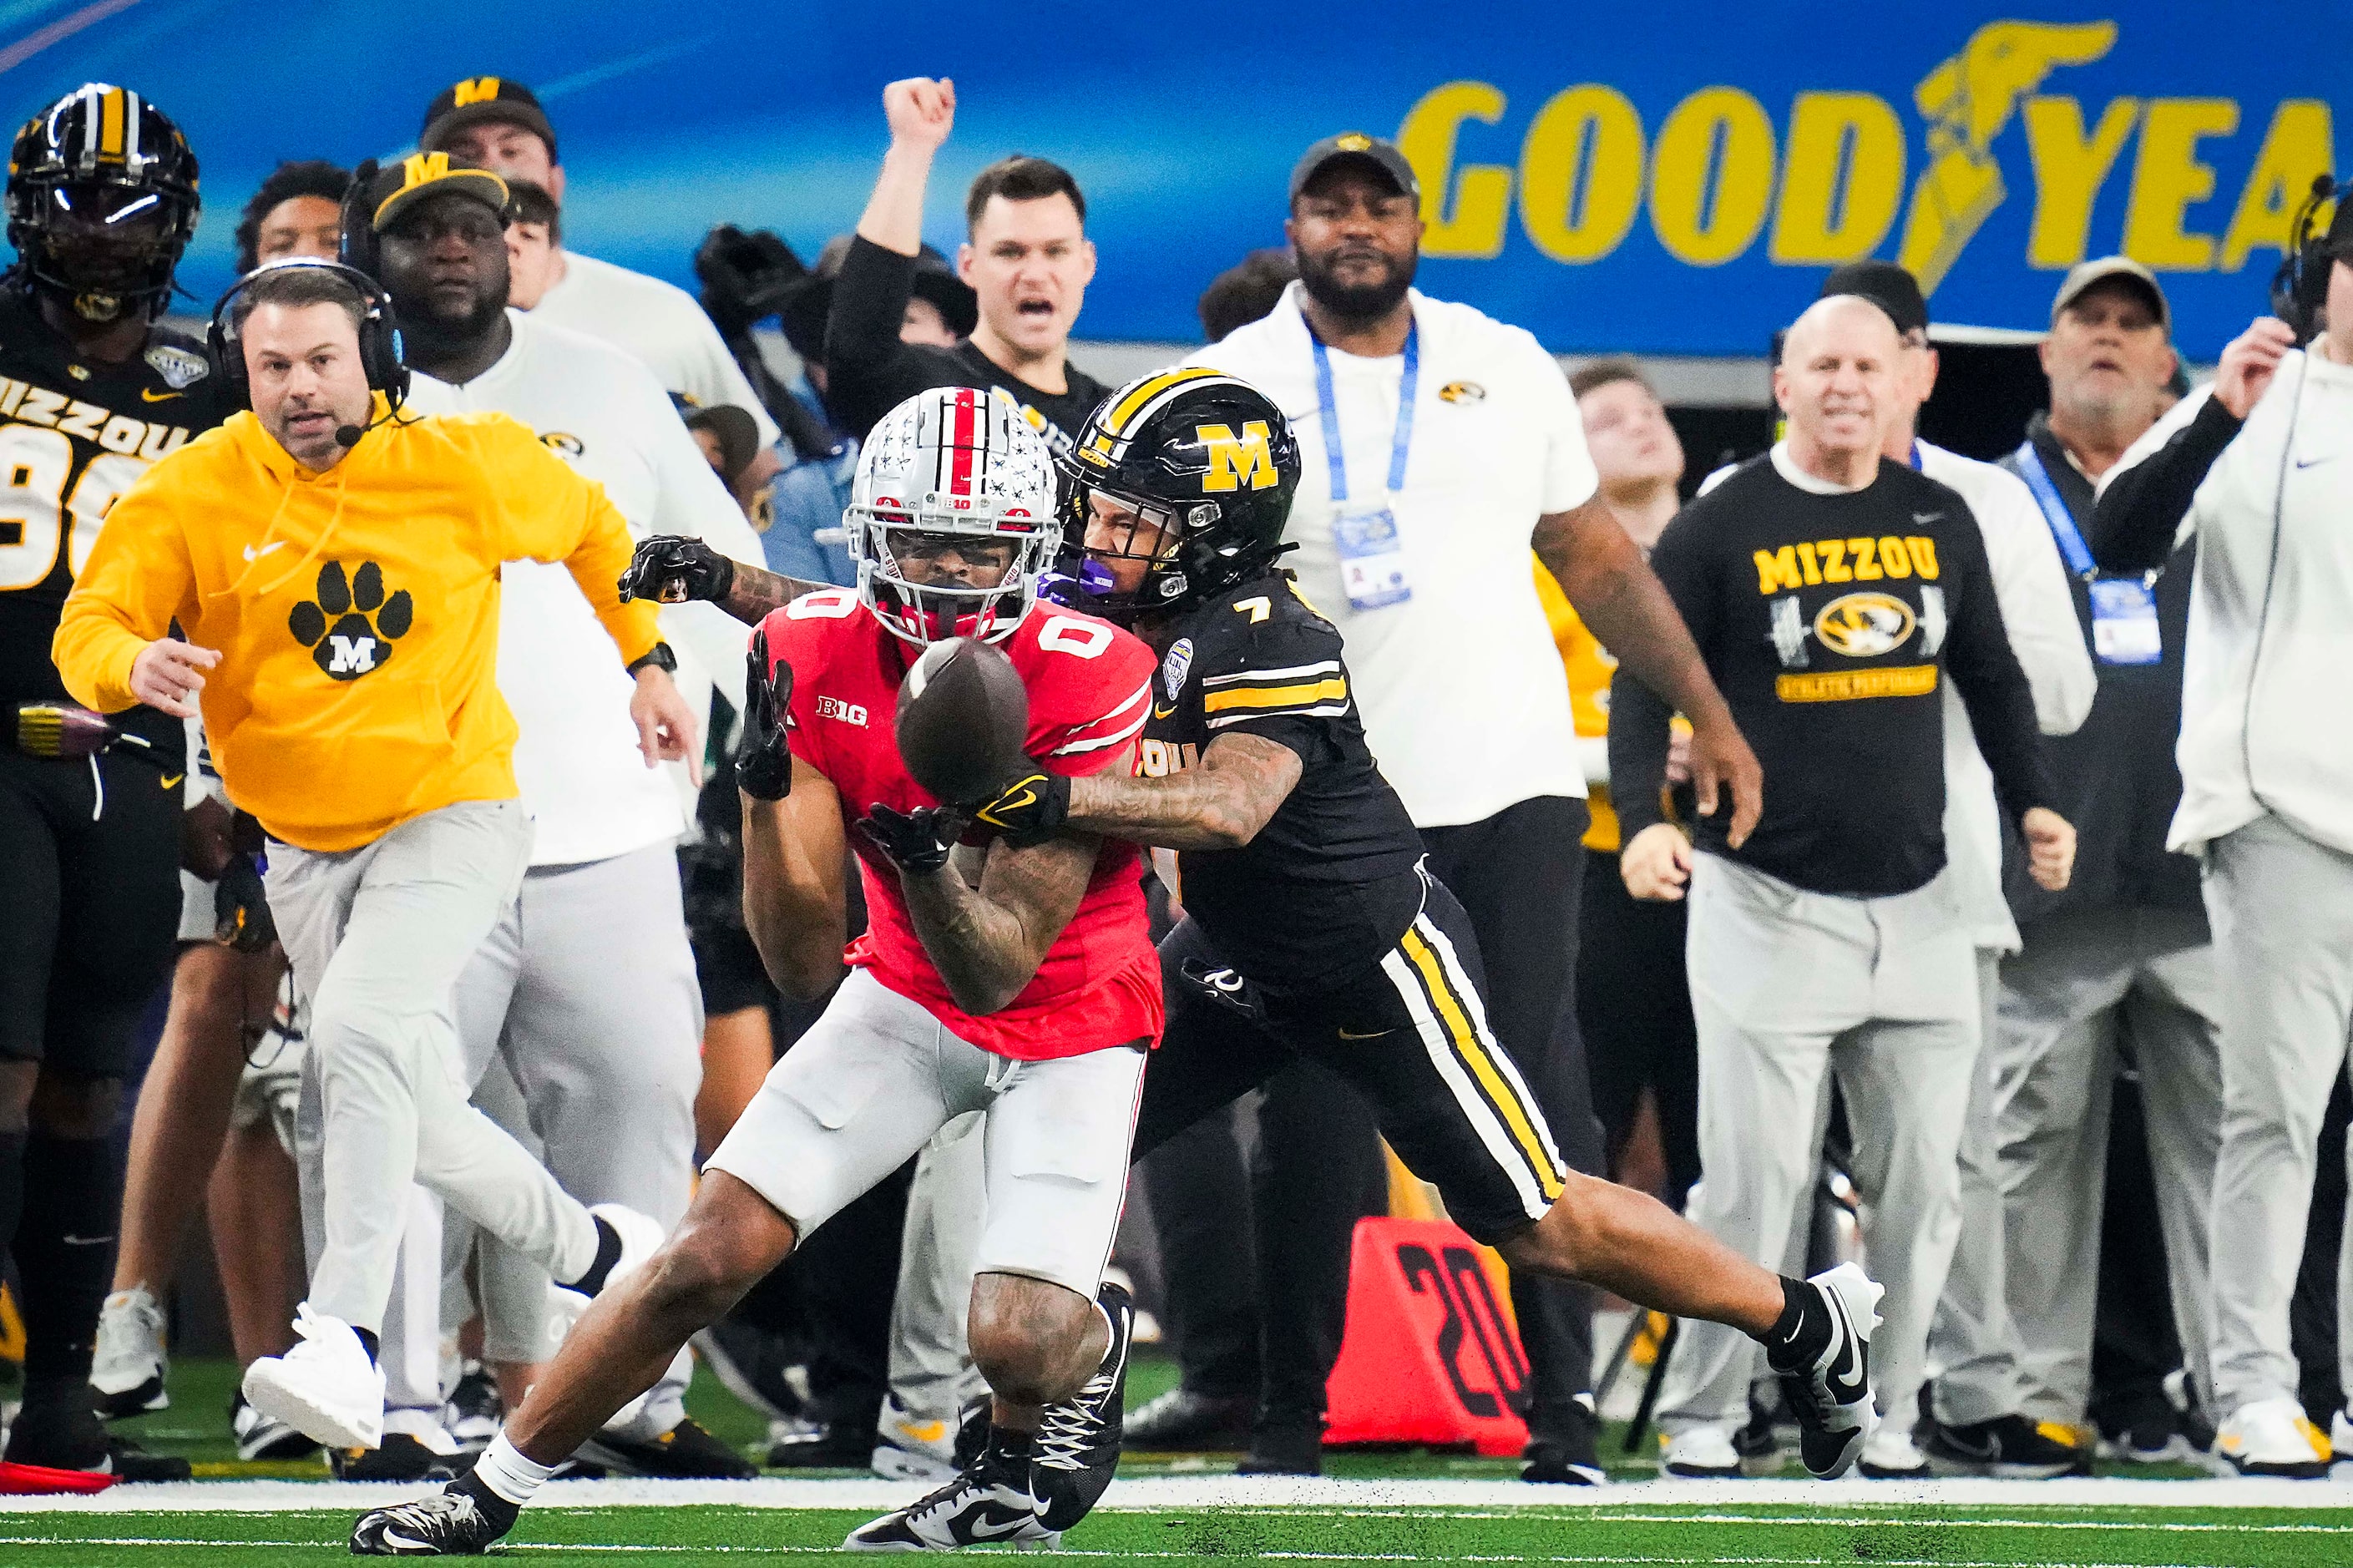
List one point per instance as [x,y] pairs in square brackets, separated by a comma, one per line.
[1456,1016]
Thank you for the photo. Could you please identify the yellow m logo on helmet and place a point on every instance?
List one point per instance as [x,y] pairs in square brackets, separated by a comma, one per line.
[1236,460]
[474,90]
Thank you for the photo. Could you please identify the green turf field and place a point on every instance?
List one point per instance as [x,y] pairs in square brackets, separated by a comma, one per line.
[1893,1534]
[1409,1506]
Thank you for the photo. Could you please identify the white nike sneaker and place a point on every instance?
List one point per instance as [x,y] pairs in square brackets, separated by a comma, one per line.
[642,1237]
[128,1365]
[909,1448]
[1700,1454]
[2274,1438]
[1824,1368]
[1889,1455]
[326,1387]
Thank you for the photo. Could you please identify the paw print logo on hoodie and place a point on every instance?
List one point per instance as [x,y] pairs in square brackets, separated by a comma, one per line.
[350,626]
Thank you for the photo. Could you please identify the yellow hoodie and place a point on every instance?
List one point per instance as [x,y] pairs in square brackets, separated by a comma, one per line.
[356,612]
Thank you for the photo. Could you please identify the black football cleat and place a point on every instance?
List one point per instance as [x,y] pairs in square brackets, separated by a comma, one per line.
[1567,1451]
[1182,1419]
[686,1452]
[1825,1370]
[66,1434]
[995,1504]
[2009,1448]
[462,1519]
[1079,1439]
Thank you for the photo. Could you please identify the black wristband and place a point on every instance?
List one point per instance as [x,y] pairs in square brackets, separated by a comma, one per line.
[659,656]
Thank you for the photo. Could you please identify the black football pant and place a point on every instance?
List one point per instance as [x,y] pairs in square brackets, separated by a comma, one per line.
[1517,876]
[89,876]
[1404,1038]
[1633,1007]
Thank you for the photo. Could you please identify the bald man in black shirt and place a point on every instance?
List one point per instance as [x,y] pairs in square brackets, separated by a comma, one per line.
[1830,593]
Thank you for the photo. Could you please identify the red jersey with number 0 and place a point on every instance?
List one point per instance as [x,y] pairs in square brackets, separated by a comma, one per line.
[1089,687]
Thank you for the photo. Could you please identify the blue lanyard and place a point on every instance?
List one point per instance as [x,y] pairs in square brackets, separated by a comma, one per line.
[1914,457]
[2055,513]
[1399,443]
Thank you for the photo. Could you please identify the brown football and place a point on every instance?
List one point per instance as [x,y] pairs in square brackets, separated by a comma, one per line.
[963,719]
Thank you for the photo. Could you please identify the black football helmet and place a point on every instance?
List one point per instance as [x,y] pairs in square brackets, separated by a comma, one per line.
[102,200]
[1204,456]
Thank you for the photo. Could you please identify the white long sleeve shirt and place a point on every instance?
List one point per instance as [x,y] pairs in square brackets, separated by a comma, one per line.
[2037,614]
[2030,584]
[576,762]
[658,324]
[2266,721]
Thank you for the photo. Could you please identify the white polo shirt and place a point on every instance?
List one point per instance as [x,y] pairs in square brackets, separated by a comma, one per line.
[1463,696]
[576,762]
[659,322]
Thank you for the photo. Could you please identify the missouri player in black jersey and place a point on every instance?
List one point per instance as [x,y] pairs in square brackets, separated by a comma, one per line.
[1310,927]
[102,198]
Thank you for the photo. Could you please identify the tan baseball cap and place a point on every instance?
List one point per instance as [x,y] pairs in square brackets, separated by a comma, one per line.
[2084,275]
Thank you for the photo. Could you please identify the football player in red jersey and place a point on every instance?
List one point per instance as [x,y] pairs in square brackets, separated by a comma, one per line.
[1019,981]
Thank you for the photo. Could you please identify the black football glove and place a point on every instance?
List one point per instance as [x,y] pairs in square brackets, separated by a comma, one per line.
[764,768]
[240,909]
[917,841]
[1027,807]
[1227,988]
[670,569]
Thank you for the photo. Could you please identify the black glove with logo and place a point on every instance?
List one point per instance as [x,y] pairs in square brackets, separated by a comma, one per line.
[1028,807]
[1227,988]
[240,909]
[764,768]
[917,841]
[670,569]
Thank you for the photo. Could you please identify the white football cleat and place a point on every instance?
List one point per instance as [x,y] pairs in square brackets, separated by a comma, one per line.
[1824,1368]
[907,1447]
[128,1365]
[326,1387]
[2273,1437]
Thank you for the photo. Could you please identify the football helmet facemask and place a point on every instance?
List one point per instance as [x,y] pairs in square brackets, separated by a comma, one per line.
[102,200]
[1206,458]
[952,485]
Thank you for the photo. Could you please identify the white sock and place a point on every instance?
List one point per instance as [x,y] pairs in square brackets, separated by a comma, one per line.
[504,1469]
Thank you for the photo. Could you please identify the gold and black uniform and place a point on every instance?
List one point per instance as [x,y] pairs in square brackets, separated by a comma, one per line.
[89,849]
[1831,621]
[1325,934]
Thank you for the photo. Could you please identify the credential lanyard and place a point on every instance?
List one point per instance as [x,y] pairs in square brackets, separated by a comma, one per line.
[1399,443]
[2054,512]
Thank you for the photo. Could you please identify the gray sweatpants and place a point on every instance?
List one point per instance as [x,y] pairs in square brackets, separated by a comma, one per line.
[932,1374]
[584,993]
[2282,908]
[376,937]
[1973,1345]
[1786,986]
[2088,989]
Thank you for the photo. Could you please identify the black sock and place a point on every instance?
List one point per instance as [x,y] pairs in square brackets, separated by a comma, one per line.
[496,1508]
[368,1342]
[1804,1325]
[609,1253]
[72,1200]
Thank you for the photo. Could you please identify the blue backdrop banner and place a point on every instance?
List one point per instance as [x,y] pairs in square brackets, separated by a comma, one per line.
[1673,177]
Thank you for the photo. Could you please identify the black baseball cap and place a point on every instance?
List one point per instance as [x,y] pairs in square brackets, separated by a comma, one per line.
[421,177]
[478,100]
[1885,285]
[1356,146]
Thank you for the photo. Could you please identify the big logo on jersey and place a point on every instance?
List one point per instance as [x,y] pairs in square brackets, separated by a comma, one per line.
[350,626]
[1864,626]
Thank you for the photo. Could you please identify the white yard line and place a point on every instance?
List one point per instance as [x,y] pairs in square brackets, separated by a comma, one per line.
[1659,1501]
